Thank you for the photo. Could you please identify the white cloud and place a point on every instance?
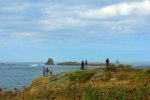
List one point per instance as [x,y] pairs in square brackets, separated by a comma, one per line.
[25,34]
[48,24]
[59,17]
[62,23]
[122,9]
[15,7]
[73,22]
[121,24]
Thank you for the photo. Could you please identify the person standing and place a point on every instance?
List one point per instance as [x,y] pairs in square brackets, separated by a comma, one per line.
[107,62]
[50,70]
[43,70]
[82,65]
[47,71]
[117,64]
[86,64]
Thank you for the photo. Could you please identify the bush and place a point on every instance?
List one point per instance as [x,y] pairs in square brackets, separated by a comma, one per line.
[91,94]
[111,68]
[107,76]
[147,71]
[128,68]
[122,76]
[40,81]
[81,76]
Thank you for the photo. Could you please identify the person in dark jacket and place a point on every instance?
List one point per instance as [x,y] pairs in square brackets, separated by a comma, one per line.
[44,70]
[107,62]
[47,71]
[86,64]
[82,65]
[50,70]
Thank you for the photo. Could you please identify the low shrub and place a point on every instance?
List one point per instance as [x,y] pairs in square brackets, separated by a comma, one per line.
[147,71]
[91,94]
[111,68]
[81,76]
[122,76]
[106,77]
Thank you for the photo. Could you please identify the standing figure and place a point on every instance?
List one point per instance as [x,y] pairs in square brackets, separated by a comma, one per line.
[43,70]
[50,70]
[47,71]
[86,64]
[82,65]
[107,62]
[117,64]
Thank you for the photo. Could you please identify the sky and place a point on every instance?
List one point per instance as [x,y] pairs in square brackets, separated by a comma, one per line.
[74,30]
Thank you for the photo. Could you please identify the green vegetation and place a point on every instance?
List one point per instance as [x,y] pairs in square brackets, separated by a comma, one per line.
[117,93]
[98,84]
[78,64]
[70,63]
[91,93]
[110,68]
[81,76]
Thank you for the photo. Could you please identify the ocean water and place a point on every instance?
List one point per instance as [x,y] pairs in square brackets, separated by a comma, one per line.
[17,75]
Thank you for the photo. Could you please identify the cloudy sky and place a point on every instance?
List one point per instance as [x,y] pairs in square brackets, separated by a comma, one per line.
[73,30]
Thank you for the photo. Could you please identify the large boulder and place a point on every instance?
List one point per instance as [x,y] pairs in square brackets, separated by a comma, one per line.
[50,61]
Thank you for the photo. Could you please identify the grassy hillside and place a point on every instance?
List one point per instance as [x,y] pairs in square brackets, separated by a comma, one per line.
[96,84]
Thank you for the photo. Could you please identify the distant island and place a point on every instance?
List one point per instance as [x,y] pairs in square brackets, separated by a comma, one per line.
[70,63]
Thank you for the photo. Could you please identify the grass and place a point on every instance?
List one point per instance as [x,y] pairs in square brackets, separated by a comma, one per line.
[117,93]
[40,81]
[111,68]
[91,94]
[98,84]
[81,76]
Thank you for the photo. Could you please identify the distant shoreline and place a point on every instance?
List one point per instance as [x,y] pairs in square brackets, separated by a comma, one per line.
[78,64]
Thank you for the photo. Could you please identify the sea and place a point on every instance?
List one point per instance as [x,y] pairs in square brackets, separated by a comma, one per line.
[18,75]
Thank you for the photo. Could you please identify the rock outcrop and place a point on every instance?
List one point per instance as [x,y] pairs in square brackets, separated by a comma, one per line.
[50,61]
